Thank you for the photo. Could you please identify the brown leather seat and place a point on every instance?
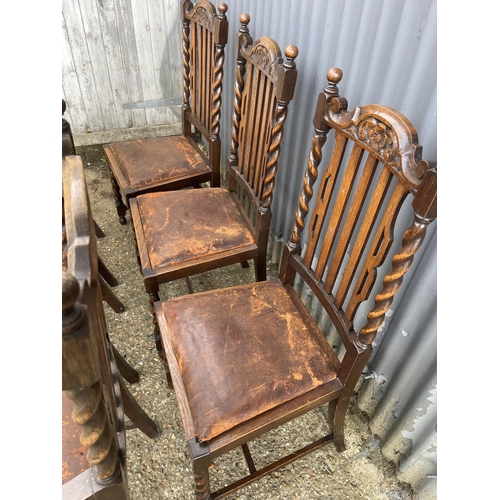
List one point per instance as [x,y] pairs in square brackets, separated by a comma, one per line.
[199,223]
[175,162]
[162,160]
[225,323]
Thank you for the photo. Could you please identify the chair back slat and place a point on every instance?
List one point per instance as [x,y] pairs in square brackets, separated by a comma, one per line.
[256,109]
[376,255]
[320,213]
[375,164]
[344,242]
[264,86]
[339,209]
[362,239]
[350,245]
[193,60]
[204,38]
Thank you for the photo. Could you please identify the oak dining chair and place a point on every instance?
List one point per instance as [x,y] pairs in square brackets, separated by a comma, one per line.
[186,232]
[246,359]
[80,263]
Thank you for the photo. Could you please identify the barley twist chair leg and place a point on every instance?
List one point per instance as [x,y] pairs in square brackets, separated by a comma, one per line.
[200,457]
[120,206]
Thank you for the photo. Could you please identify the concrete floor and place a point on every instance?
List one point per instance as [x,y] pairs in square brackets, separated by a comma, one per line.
[159,468]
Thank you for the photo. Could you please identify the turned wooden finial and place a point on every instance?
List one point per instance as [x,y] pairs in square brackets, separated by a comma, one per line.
[244,20]
[334,75]
[244,33]
[222,8]
[335,102]
[63,106]
[291,52]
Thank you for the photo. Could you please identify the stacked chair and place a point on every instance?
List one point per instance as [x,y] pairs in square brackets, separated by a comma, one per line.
[95,398]
[244,360]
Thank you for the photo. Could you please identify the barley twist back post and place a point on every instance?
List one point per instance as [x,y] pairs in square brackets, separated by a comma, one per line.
[243,37]
[186,84]
[221,35]
[425,207]
[330,93]
[284,93]
[81,384]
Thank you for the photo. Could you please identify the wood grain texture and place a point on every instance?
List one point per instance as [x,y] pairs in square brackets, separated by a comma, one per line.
[82,62]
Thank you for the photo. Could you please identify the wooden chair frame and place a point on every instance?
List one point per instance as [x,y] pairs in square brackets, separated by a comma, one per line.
[211,346]
[202,99]
[82,385]
[106,277]
[92,367]
[257,133]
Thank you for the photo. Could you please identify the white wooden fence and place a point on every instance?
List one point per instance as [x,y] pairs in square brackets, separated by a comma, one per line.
[118,53]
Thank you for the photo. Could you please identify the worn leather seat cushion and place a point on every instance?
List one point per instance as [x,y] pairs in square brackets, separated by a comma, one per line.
[183,225]
[237,346]
[146,161]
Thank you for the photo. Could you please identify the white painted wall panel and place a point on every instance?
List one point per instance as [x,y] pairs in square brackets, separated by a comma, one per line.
[116,53]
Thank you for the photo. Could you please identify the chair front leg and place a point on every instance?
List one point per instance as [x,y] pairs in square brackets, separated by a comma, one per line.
[154,297]
[121,208]
[200,457]
[356,358]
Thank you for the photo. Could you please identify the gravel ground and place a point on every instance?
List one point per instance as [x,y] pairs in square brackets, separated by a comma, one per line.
[160,468]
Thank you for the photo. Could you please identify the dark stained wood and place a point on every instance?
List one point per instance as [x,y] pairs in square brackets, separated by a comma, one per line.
[68,148]
[68,145]
[96,416]
[105,275]
[186,232]
[91,366]
[175,162]
[246,359]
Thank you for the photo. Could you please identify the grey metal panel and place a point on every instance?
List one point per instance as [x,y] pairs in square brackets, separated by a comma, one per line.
[387,52]
[401,399]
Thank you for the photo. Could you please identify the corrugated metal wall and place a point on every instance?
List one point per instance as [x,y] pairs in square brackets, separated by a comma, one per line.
[118,52]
